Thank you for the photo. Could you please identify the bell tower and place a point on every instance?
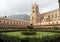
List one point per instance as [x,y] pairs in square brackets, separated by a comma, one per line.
[34,14]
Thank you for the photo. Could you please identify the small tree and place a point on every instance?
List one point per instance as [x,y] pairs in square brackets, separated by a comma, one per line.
[30,27]
[28,31]
[55,27]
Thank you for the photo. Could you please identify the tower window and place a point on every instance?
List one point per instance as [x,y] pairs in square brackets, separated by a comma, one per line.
[14,22]
[52,15]
[36,7]
[0,21]
[33,7]
[48,16]
[59,19]
[33,11]
[37,11]
[55,15]
[52,22]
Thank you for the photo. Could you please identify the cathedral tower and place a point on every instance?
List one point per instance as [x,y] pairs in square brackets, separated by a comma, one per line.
[34,14]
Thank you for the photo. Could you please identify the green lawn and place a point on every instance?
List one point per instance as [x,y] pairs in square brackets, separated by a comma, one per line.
[18,34]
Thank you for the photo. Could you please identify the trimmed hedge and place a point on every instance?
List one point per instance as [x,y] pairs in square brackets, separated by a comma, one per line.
[54,38]
[55,27]
[28,33]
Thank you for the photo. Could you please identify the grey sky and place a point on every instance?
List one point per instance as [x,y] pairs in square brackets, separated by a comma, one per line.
[11,7]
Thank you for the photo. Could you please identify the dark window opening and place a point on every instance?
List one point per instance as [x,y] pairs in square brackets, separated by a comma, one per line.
[33,11]
[33,7]
[0,21]
[36,7]
[37,11]
[48,16]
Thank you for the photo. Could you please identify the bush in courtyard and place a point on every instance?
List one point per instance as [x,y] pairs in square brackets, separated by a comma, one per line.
[30,26]
[53,38]
[55,28]
[28,33]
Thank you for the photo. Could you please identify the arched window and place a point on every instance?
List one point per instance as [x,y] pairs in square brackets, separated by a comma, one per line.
[55,15]
[11,22]
[48,16]
[14,22]
[59,19]
[52,22]
[49,23]
[17,23]
[52,15]
[33,11]
[33,7]
[0,21]
[57,22]
[37,11]
[21,23]
[36,7]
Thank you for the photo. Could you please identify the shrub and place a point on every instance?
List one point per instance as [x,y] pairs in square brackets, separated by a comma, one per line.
[28,33]
[55,28]
[30,27]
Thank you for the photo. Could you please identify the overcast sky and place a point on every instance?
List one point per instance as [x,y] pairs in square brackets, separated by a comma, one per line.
[11,7]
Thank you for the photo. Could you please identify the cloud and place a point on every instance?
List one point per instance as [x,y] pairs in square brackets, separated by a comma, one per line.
[9,7]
